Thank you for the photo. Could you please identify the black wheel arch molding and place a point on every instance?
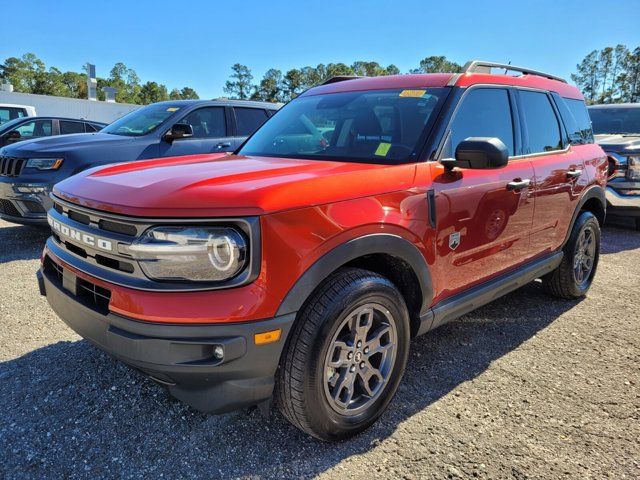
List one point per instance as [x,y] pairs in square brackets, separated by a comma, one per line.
[377,243]
[593,192]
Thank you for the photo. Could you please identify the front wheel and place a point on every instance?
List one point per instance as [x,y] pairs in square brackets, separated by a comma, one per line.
[346,355]
[573,277]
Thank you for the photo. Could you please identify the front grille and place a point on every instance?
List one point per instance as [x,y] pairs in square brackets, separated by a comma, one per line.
[95,221]
[88,293]
[11,166]
[8,208]
[79,217]
[117,227]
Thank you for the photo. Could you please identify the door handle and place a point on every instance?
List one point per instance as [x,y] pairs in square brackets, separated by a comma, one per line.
[223,145]
[518,184]
[574,173]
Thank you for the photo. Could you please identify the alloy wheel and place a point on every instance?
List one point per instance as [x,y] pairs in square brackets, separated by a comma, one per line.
[584,256]
[360,358]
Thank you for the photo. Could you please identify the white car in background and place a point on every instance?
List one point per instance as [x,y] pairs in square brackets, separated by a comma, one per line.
[10,111]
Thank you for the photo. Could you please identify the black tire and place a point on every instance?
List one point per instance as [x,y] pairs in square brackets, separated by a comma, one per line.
[563,282]
[638,224]
[301,382]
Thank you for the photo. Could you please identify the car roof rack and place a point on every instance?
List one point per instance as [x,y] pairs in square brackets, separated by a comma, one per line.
[340,78]
[478,66]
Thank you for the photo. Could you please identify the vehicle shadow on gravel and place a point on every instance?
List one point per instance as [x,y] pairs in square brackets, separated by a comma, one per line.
[22,242]
[619,236]
[70,410]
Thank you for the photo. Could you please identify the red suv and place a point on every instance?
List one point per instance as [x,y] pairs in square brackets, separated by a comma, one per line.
[363,213]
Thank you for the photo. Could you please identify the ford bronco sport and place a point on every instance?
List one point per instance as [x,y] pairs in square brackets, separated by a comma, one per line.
[365,212]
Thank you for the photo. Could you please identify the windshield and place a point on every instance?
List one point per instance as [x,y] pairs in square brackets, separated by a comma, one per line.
[615,120]
[383,126]
[8,126]
[142,121]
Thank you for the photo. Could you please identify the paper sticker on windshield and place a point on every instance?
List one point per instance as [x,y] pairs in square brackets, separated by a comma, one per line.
[383,149]
[412,93]
[173,109]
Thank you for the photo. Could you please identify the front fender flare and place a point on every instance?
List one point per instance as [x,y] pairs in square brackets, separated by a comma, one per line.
[383,243]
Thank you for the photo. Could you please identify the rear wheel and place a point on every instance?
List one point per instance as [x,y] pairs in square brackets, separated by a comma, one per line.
[573,277]
[345,357]
[638,224]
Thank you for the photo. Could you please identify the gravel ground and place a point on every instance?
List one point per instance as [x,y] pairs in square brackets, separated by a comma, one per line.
[526,387]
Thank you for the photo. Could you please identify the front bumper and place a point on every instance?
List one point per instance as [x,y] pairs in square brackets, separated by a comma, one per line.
[621,204]
[178,356]
[25,208]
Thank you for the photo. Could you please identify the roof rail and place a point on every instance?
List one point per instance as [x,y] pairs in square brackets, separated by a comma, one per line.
[478,66]
[340,78]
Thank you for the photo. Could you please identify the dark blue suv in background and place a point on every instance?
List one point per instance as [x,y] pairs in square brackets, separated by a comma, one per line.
[29,169]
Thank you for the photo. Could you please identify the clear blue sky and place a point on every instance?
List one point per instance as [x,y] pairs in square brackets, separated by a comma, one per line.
[194,43]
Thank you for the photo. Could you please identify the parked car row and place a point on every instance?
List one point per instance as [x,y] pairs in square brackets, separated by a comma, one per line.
[29,170]
[28,128]
[235,256]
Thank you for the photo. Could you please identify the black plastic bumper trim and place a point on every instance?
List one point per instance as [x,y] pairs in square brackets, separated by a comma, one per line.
[181,356]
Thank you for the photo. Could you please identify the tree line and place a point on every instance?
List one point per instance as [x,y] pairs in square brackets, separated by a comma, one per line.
[610,75]
[29,74]
[278,86]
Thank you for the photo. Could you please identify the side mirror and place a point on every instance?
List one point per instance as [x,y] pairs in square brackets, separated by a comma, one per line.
[178,131]
[479,152]
[13,136]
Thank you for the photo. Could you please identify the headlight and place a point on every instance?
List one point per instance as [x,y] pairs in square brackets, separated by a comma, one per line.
[633,168]
[44,163]
[201,254]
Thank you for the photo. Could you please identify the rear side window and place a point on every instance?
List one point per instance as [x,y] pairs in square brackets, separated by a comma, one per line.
[89,128]
[248,120]
[541,122]
[71,127]
[484,112]
[576,120]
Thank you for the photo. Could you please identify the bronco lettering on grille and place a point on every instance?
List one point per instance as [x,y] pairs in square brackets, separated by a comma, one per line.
[79,236]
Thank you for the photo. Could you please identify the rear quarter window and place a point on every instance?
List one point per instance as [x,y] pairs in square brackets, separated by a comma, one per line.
[576,120]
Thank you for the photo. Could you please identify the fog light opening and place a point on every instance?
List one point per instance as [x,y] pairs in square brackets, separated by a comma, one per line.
[218,352]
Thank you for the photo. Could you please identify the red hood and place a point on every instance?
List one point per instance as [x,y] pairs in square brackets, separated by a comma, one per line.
[227,185]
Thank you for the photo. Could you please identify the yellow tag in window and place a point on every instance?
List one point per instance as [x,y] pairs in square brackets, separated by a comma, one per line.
[383,149]
[173,109]
[412,93]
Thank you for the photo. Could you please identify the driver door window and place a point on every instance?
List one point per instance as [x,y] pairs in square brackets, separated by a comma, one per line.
[209,134]
[484,112]
[35,129]
[207,122]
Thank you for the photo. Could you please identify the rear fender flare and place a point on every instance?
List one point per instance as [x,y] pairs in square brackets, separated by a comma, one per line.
[592,192]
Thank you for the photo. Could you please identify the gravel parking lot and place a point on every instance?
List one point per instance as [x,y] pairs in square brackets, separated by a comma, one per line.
[526,387]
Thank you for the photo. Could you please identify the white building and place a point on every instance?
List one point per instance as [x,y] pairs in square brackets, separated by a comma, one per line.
[48,105]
